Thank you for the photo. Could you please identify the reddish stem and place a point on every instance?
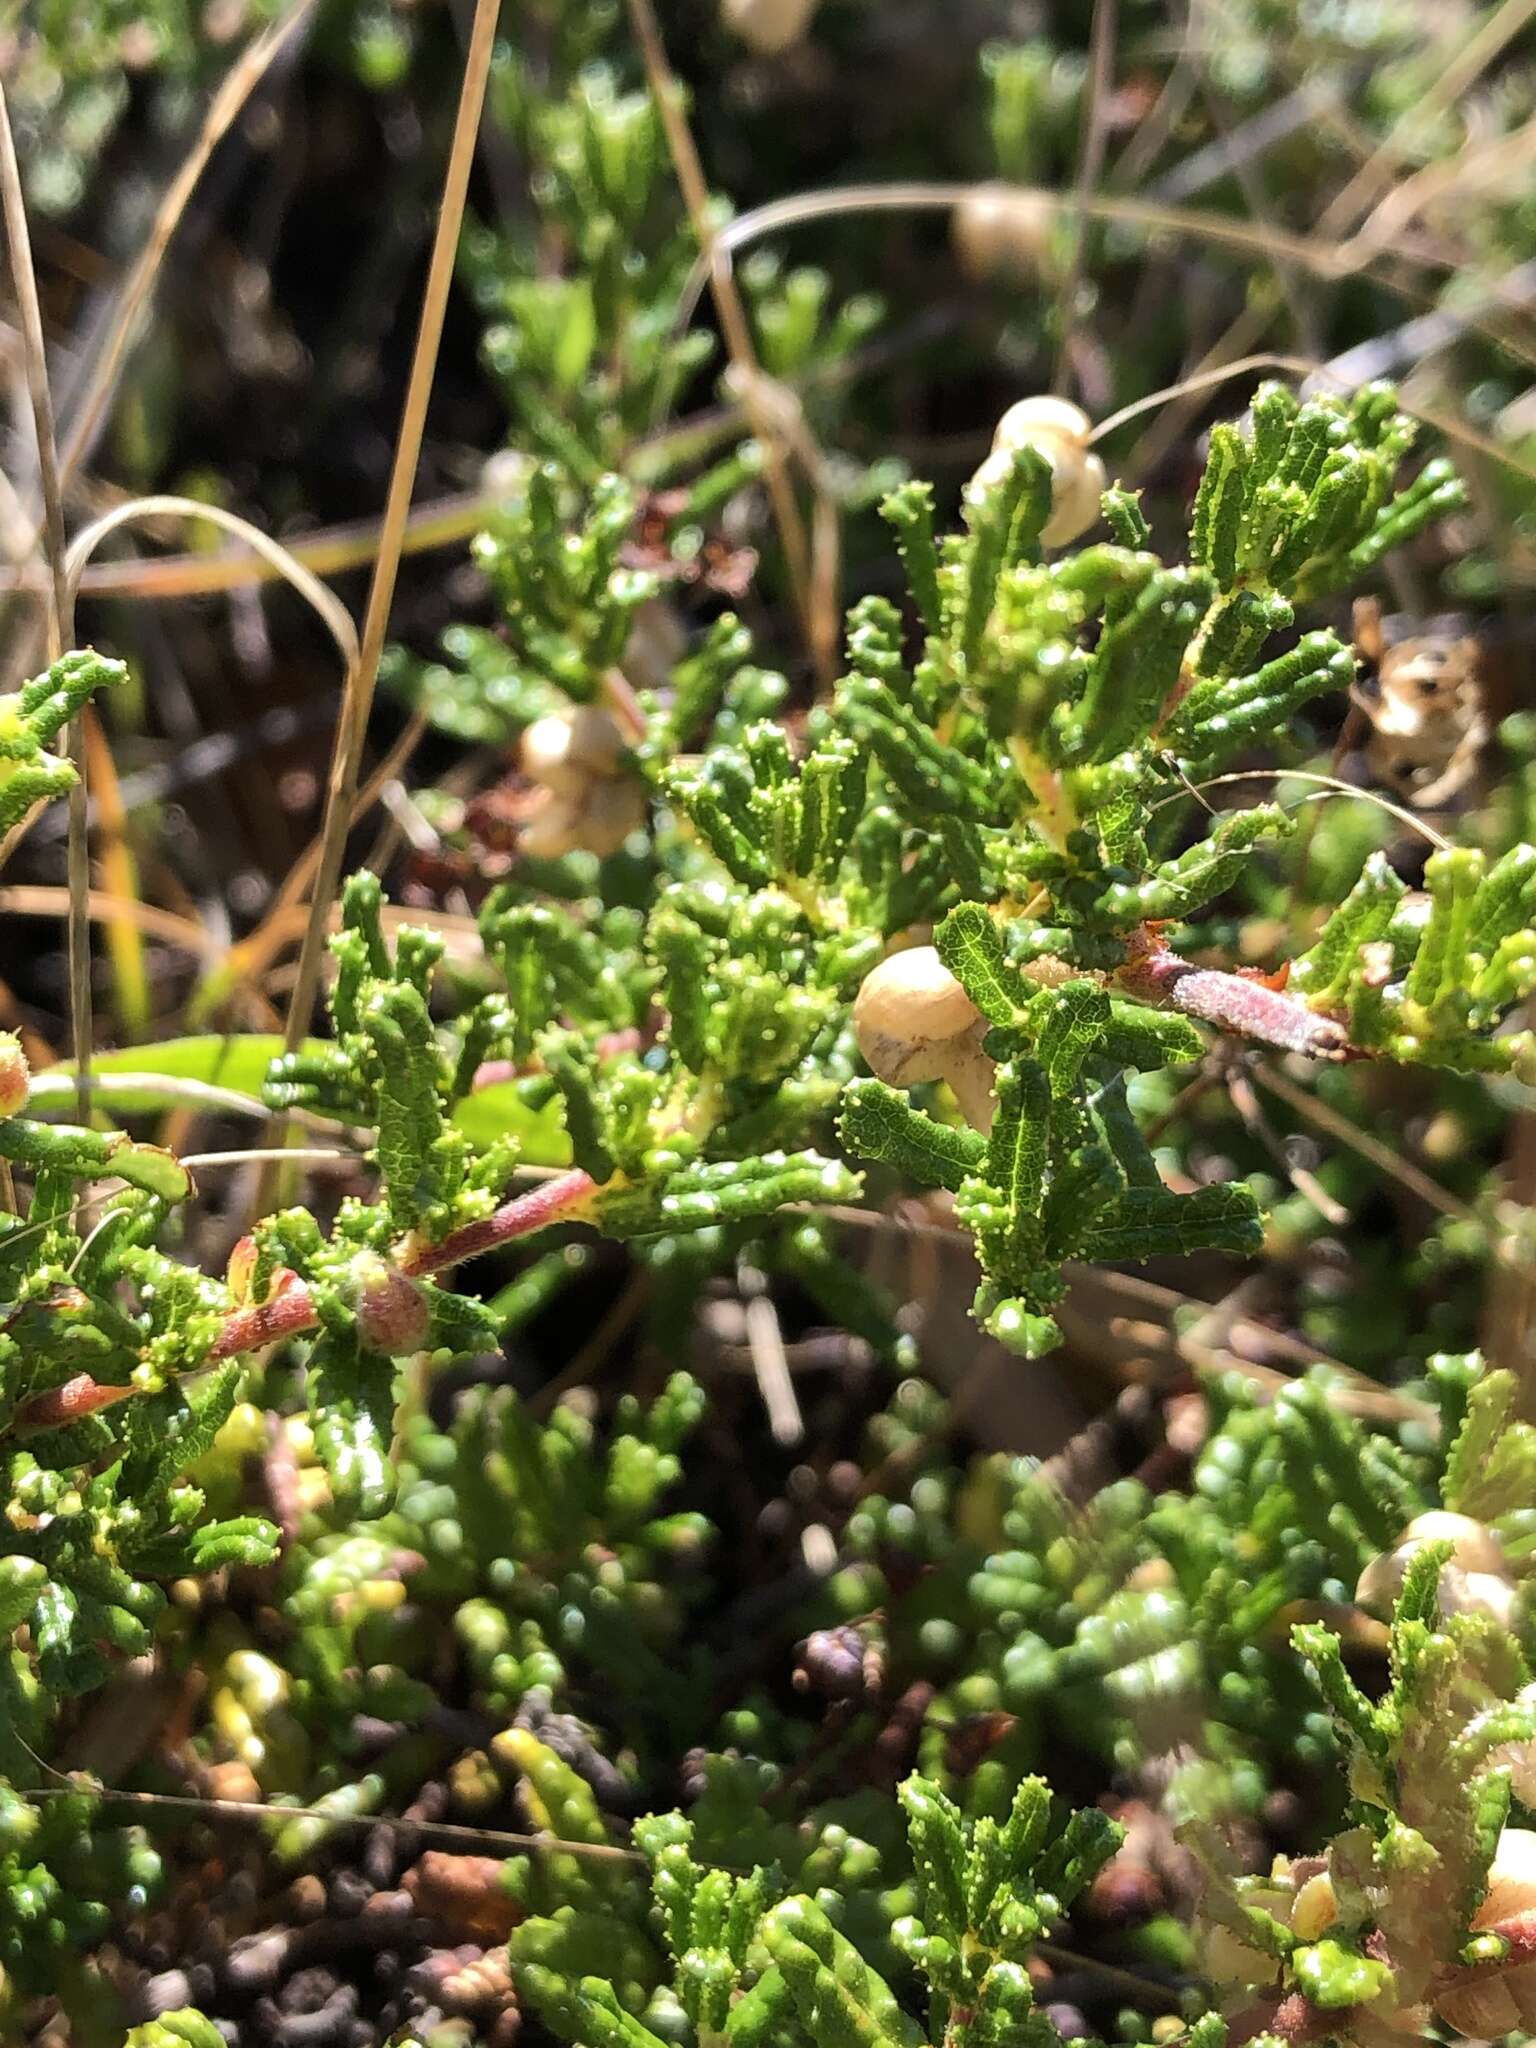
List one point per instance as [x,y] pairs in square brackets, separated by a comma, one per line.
[265,1322]
[1233,1003]
[71,1402]
[525,1213]
[291,1310]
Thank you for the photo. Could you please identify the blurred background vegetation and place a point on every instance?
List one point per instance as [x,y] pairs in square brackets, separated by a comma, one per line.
[930,211]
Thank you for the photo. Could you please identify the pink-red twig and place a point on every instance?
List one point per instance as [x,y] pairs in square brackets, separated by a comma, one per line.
[1234,1003]
[291,1309]
[525,1213]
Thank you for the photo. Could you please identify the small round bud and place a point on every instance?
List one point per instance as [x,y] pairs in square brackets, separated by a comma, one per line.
[504,475]
[15,1075]
[393,1315]
[1484,1593]
[544,751]
[768,26]
[1002,231]
[1468,1582]
[567,748]
[592,803]
[611,812]
[597,820]
[1477,1548]
[1039,420]
[838,1663]
[914,1022]
[1059,431]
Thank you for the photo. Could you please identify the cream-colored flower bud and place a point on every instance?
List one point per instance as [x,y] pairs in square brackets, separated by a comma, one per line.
[1483,1593]
[1511,1888]
[1316,1907]
[553,829]
[596,817]
[1497,1998]
[1477,1556]
[1477,1548]
[612,811]
[566,748]
[1040,419]
[1003,231]
[914,1022]
[1059,431]
[768,26]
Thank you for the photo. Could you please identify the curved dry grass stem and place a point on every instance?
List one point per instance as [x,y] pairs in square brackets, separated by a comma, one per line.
[107,906]
[1205,380]
[455,1832]
[293,1155]
[61,624]
[358,700]
[325,604]
[1330,261]
[1327,785]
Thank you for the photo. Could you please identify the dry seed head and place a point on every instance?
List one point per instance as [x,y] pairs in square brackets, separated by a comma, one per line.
[914,1022]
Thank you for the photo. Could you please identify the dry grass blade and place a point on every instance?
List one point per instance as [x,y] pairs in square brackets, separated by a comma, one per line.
[253,65]
[255,954]
[358,700]
[119,871]
[728,306]
[61,624]
[42,899]
[1206,380]
[1101,61]
[1245,1101]
[1380,1155]
[1379,169]
[117,904]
